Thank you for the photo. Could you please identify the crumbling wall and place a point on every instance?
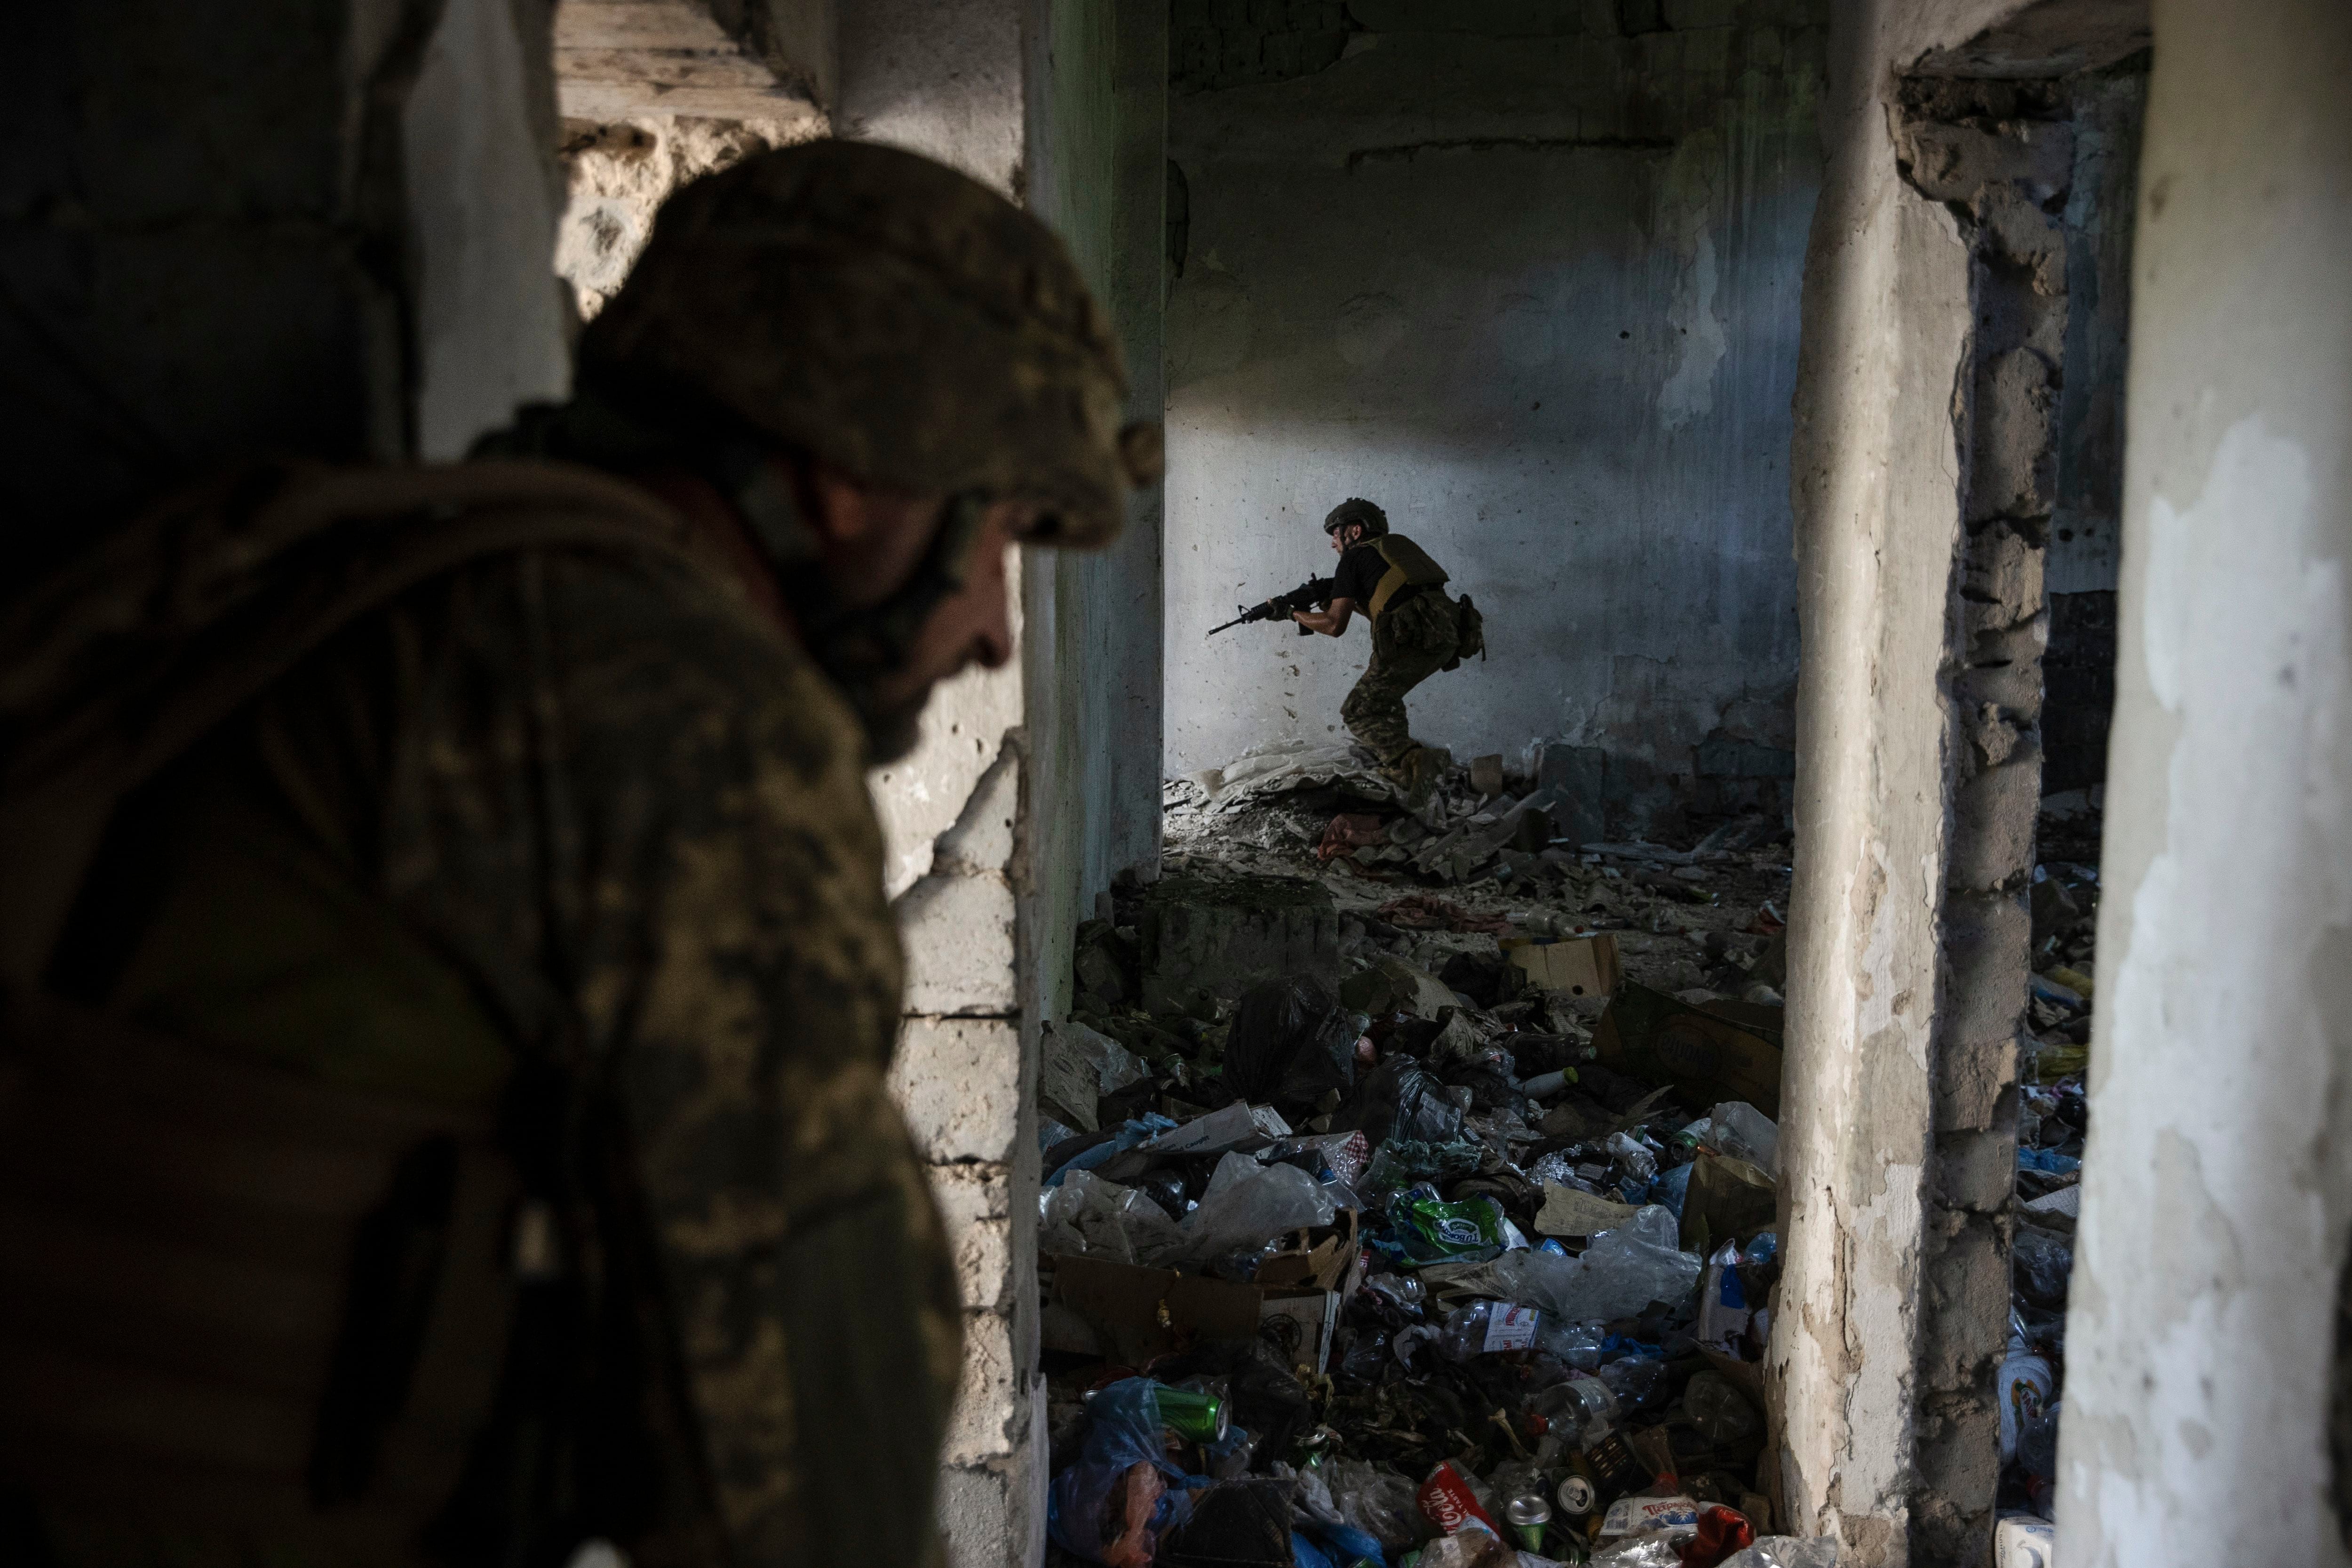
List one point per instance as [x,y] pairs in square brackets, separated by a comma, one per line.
[1999,156]
[313,228]
[617,175]
[1527,276]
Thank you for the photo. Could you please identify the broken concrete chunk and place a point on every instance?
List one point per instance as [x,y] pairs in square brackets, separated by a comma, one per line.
[1487,775]
[1207,940]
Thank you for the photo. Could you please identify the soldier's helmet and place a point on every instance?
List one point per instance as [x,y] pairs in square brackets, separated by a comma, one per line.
[1355,509]
[893,317]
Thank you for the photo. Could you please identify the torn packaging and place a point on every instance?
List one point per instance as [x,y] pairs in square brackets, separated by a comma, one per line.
[1132,1315]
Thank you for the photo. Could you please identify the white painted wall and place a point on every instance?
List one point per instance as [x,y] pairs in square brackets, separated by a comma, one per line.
[490,319]
[2216,1191]
[1537,297]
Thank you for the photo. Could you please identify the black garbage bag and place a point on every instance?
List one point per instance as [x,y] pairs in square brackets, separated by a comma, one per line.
[1291,1044]
[2040,1263]
[1479,977]
[1241,1523]
[1401,1099]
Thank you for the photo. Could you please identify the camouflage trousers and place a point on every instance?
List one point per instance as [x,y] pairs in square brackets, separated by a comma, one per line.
[1410,643]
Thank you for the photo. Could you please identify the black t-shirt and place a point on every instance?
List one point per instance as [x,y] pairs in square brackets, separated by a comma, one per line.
[1359,574]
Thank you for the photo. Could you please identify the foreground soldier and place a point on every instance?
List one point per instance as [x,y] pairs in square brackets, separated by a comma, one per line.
[449,986]
[1417,631]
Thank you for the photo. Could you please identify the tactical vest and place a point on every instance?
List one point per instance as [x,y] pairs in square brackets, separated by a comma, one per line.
[1408,564]
[231,1296]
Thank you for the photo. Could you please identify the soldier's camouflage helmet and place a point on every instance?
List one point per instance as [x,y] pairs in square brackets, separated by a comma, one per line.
[892,317]
[1355,509]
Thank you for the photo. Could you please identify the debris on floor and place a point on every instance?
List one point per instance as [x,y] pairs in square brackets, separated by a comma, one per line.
[1390,1215]
[2052,1120]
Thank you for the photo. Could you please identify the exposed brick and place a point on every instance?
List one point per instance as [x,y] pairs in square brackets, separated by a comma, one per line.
[958,1082]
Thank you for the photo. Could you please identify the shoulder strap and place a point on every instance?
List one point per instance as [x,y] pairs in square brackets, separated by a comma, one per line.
[131,655]
[1404,555]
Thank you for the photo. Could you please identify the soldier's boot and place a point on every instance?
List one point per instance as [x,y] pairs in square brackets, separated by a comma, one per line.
[1428,764]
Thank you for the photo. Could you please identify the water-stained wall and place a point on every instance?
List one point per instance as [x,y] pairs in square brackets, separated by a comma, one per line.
[1528,279]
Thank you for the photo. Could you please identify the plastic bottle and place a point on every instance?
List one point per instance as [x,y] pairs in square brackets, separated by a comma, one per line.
[1488,1328]
[1581,1406]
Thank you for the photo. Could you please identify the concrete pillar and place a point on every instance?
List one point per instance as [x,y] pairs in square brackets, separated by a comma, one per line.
[1923,476]
[2205,1383]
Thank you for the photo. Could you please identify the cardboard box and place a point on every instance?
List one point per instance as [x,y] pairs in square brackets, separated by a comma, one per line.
[1724,1050]
[1130,1315]
[1307,1264]
[1580,965]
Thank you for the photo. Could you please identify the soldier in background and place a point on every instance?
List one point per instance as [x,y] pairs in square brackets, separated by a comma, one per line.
[448,982]
[1417,630]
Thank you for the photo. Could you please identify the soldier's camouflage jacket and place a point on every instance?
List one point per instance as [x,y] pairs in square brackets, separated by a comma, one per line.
[572,792]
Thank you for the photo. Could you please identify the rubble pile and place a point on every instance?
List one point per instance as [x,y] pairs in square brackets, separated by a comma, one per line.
[2051,1122]
[1410,1188]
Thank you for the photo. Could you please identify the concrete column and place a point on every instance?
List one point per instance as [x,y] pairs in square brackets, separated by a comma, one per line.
[1925,479]
[2205,1380]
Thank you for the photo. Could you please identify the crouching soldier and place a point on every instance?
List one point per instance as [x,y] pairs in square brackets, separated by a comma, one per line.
[1417,630]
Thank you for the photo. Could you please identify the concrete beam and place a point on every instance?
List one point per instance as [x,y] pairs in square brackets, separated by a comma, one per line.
[734,59]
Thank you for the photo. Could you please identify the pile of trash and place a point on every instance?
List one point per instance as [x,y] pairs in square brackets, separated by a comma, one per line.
[2051,1122]
[1378,1228]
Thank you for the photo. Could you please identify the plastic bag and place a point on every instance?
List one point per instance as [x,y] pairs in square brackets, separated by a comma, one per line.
[1399,1100]
[1668,1191]
[1377,1502]
[1744,1133]
[1431,1230]
[1617,1275]
[1246,1205]
[1087,1217]
[1142,1129]
[2021,1390]
[1787,1551]
[1290,1043]
[1112,1504]
[1658,1550]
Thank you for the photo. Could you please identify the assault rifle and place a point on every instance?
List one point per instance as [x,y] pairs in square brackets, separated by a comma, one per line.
[1315,594]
